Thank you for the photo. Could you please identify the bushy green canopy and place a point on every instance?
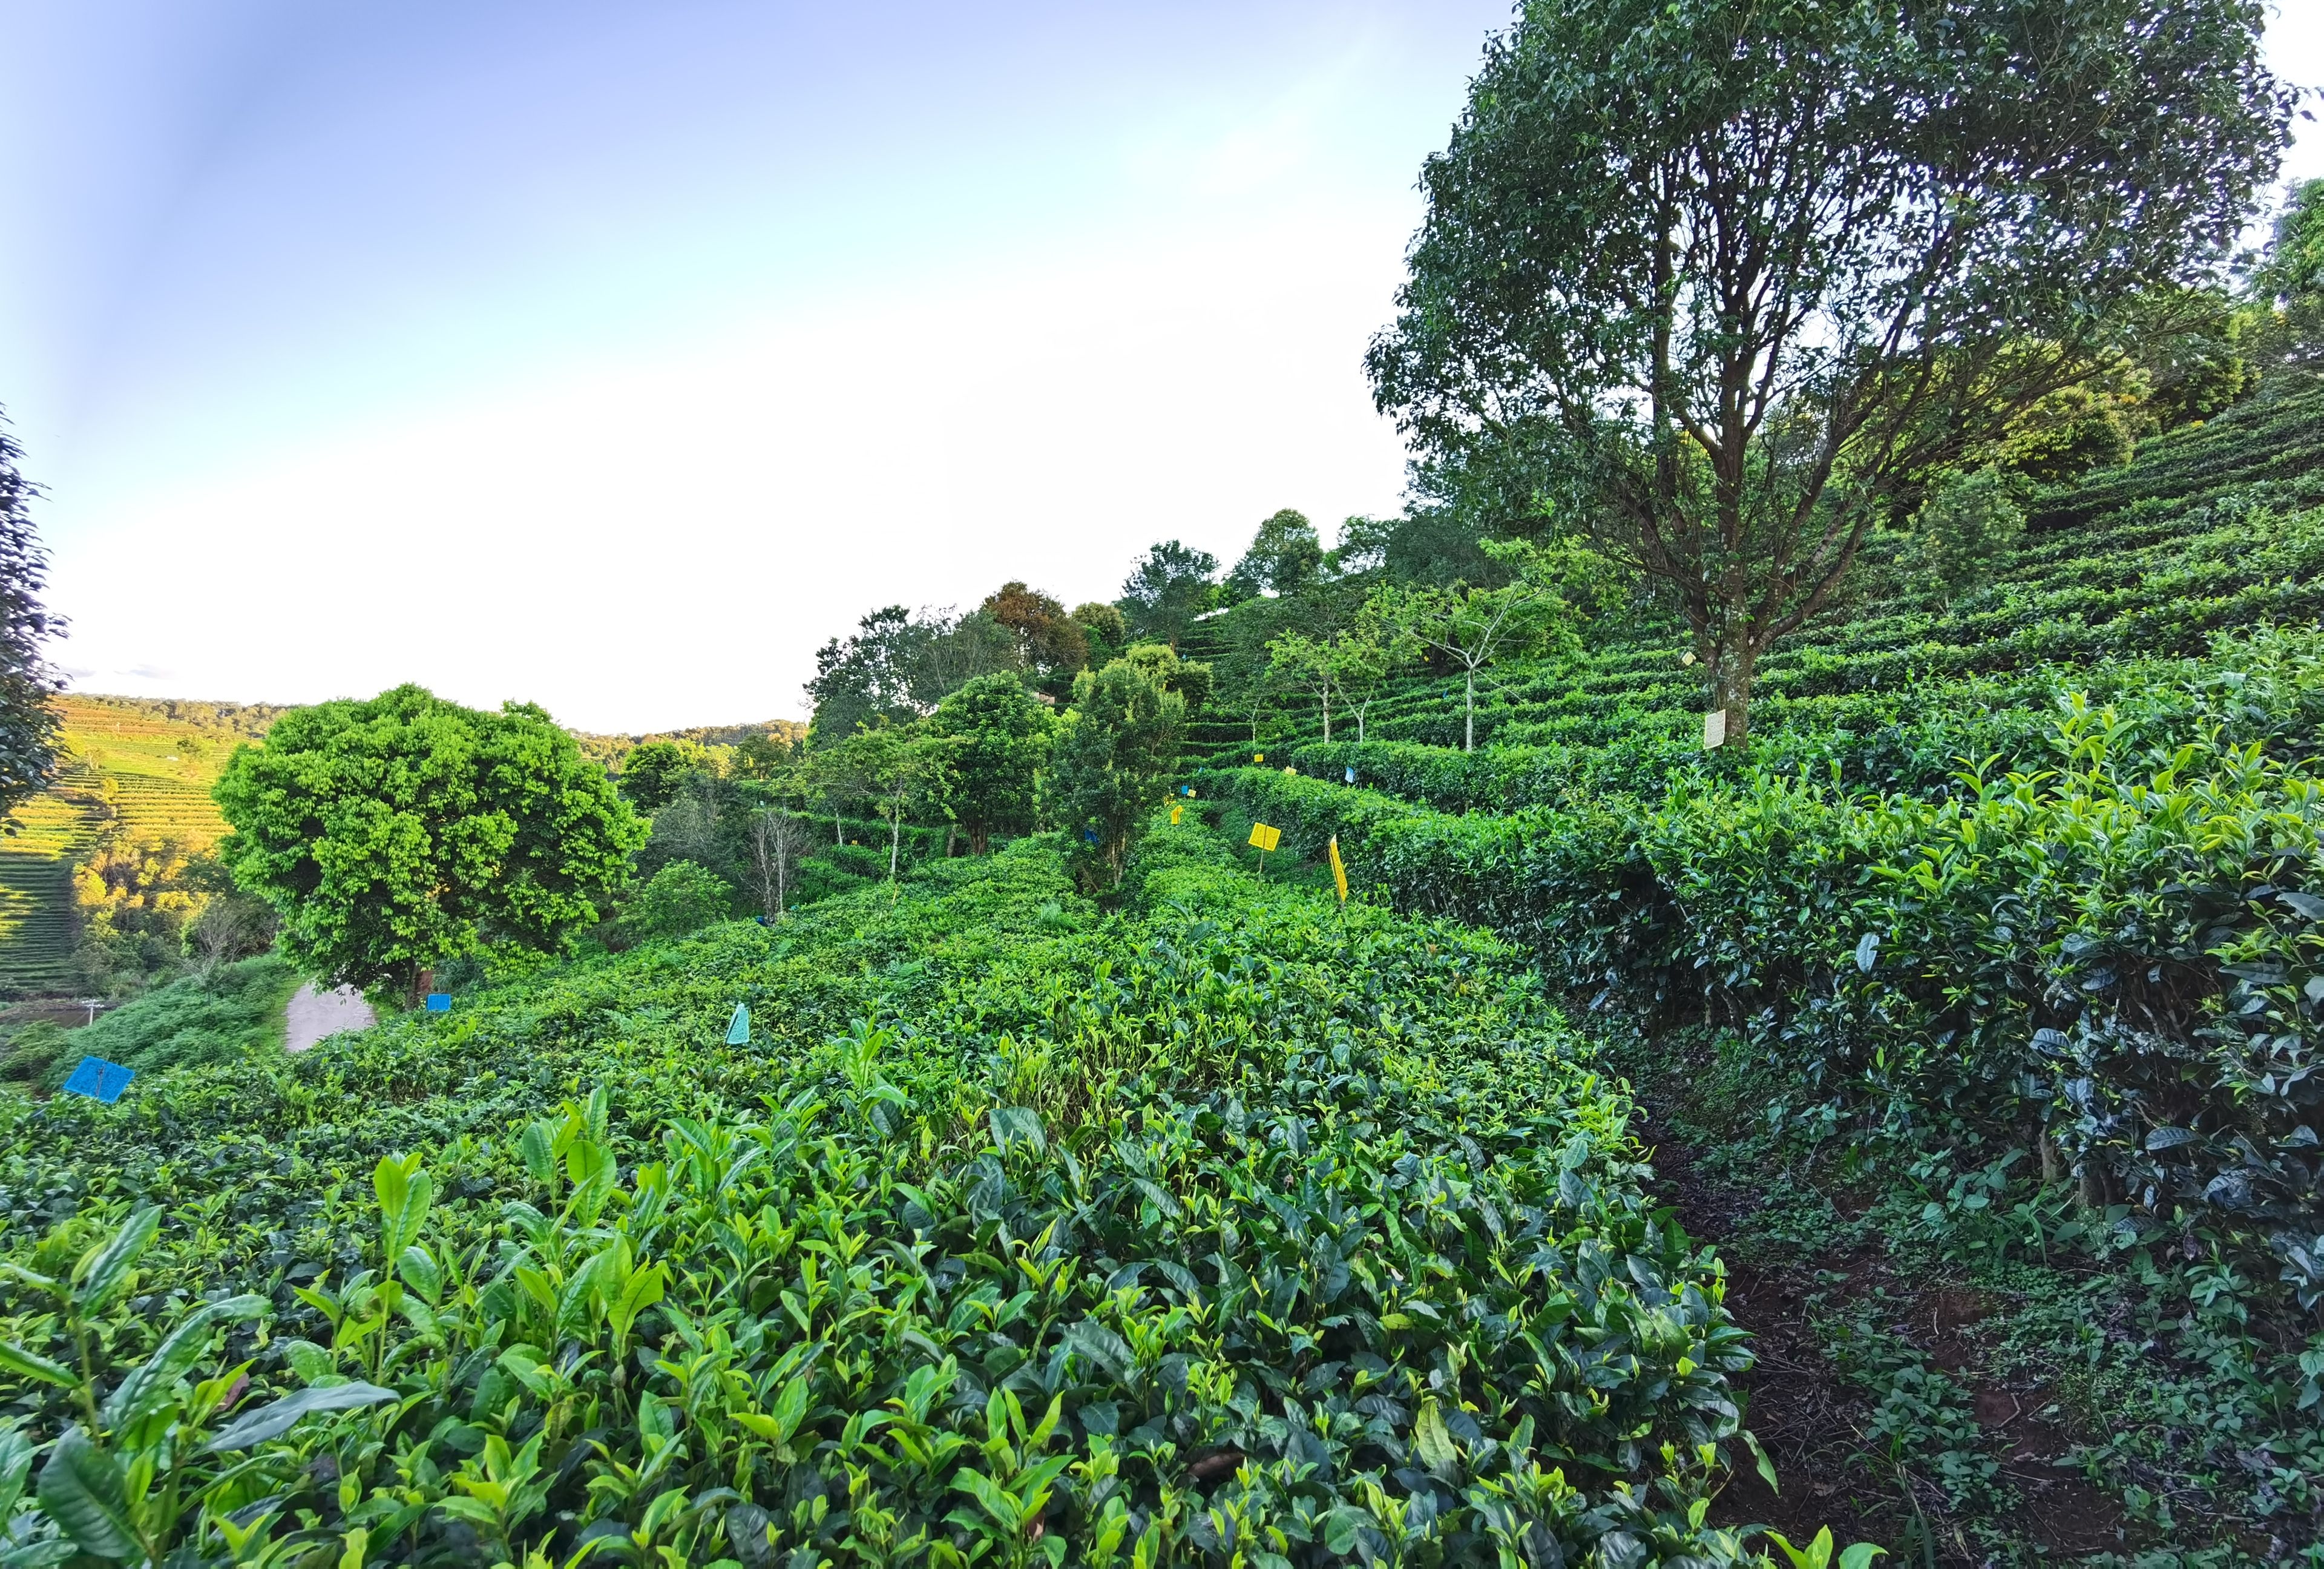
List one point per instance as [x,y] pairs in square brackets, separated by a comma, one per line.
[389,833]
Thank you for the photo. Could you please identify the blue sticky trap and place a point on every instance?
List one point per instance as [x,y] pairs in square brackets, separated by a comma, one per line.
[738,1028]
[99,1080]
[1351,773]
[440,1002]
[1089,836]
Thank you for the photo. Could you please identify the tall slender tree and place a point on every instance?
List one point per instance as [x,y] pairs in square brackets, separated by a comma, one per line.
[28,686]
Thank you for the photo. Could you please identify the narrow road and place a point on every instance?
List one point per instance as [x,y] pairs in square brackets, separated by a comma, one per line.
[315,1014]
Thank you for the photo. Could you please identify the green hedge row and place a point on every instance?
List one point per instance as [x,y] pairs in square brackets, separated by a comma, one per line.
[2120,958]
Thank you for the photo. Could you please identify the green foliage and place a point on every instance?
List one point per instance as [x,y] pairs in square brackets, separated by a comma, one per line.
[1167,588]
[652,774]
[221,1015]
[1742,276]
[1206,1230]
[1285,556]
[1003,734]
[390,835]
[1112,762]
[28,686]
[1967,530]
[2289,280]
[1472,627]
[681,898]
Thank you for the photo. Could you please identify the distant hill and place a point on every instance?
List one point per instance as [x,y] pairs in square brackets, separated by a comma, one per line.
[609,750]
[148,763]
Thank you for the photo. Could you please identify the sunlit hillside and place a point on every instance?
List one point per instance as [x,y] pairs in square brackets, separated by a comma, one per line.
[148,765]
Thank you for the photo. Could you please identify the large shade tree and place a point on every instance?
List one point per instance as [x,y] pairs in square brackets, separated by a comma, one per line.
[28,724]
[1167,588]
[1754,272]
[392,834]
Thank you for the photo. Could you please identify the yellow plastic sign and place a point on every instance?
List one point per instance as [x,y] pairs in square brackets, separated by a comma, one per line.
[1176,813]
[1338,869]
[1263,837]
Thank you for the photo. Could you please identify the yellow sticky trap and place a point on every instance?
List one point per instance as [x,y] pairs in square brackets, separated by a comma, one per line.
[1338,869]
[1259,757]
[1175,813]
[1263,837]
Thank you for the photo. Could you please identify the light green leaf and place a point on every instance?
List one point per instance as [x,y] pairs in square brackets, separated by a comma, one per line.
[15,1359]
[84,1489]
[105,1270]
[137,1394]
[1432,1442]
[274,1420]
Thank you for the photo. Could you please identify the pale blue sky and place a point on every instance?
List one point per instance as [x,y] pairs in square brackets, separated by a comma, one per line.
[615,356]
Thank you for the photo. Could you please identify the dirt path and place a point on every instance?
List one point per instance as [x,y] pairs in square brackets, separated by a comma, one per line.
[315,1014]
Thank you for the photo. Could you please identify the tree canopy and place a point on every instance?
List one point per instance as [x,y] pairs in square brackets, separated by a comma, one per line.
[1749,272]
[1111,762]
[1167,588]
[1002,732]
[28,724]
[392,834]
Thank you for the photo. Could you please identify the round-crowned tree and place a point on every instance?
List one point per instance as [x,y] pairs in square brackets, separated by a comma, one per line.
[392,834]
[1003,733]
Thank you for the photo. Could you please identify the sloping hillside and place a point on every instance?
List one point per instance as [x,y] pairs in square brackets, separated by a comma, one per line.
[1982,996]
[144,765]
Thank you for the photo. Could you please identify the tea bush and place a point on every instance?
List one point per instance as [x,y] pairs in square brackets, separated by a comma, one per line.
[2116,957]
[1226,1229]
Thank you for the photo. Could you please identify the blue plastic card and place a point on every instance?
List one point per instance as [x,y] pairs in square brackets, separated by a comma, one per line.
[738,1028]
[440,1002]
[99,1080]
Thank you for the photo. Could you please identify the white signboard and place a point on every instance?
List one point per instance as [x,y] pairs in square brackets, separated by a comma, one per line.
[1714,730]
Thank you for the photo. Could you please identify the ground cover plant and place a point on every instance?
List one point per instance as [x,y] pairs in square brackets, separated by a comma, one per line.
[1224,1227]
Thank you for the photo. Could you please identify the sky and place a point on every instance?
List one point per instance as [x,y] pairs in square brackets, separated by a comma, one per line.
[615,356]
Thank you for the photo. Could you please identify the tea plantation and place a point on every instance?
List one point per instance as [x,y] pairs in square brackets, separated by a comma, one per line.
[2000,950]
[141,768]
[1224,1228]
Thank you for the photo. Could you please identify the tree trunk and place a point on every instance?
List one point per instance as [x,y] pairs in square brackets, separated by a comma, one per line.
[979,839]
[1327,716]
[1731,691]
[895,842]
[1469,719]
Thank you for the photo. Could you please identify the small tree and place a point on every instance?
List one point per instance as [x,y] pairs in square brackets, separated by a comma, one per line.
[1361,658]
[778,843]
[1304,664]
[1473,627]
[1002,733]
[390,834]
[682,897]
[1115,751]
[904,768]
